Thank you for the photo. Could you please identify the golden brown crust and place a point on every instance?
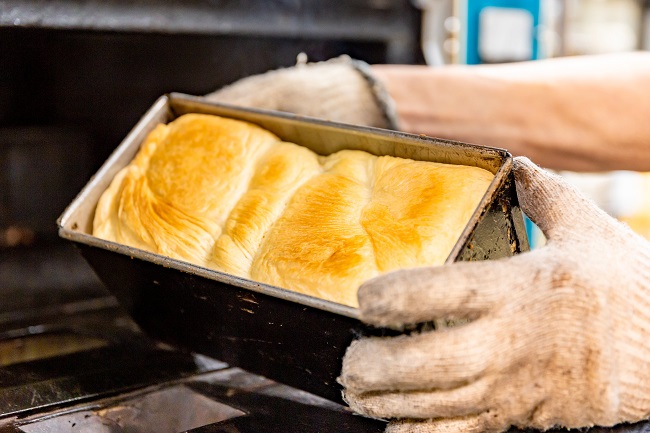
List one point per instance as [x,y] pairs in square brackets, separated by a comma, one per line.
[229,195]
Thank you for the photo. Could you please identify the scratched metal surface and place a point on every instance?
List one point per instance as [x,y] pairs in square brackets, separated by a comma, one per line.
[226,400]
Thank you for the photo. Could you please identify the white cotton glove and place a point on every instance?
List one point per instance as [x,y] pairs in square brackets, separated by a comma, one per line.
[341,90]
[559,336]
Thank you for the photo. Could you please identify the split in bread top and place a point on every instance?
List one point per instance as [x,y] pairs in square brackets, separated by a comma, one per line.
[231,196]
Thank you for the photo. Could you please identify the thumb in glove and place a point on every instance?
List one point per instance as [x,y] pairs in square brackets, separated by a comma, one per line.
[340,89]
[559,336]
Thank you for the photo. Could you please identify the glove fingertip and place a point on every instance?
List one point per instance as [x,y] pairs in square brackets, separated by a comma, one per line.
[375,300]
[387,300]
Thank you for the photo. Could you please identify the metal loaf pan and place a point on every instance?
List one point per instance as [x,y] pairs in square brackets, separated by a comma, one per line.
[289,337]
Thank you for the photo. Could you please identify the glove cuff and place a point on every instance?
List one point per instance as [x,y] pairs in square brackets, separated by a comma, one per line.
[384,101]
[339,89]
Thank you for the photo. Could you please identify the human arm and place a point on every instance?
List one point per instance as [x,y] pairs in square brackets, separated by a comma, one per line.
[587,113]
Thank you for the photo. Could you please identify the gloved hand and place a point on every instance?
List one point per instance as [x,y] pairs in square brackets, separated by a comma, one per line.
[341,90]
[558,336]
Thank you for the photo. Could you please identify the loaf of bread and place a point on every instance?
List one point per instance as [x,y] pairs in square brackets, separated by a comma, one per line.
[231,196]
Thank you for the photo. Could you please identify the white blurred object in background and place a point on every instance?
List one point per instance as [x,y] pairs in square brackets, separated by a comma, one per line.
[619,193]
[602,26]
[437,25]
[625,195]
[505,35]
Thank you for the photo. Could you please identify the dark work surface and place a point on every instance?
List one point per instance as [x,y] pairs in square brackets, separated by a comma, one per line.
[272,414]
[639,427]
[29,387]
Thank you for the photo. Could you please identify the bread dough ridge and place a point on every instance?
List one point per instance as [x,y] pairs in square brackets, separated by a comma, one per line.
[230,196]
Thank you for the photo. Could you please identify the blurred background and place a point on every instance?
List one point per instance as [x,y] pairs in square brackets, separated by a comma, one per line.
[75,76]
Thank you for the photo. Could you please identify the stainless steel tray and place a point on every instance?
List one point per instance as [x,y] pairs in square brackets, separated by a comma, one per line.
[284,335]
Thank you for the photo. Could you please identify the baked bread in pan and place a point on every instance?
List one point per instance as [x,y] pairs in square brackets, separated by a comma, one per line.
[231,196]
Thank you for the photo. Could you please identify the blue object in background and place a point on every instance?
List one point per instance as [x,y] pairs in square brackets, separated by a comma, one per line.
[470,16]
[535,236]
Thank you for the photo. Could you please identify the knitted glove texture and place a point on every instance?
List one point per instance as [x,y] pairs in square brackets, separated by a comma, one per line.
[340,90]
[559,336]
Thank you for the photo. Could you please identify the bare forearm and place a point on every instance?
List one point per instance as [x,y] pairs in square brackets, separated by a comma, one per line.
[575,113]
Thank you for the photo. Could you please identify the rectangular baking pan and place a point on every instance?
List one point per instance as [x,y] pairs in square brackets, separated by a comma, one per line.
[286,336]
